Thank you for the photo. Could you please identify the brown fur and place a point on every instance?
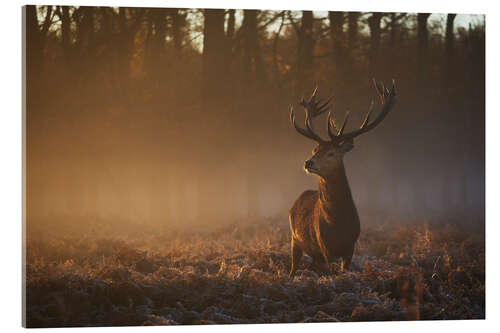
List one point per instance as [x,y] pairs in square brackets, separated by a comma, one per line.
[325,223]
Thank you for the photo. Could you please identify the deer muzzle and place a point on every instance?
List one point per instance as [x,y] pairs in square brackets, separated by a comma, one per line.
[309,166]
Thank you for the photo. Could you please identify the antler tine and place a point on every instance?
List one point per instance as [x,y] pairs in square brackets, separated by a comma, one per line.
[376,84]
[367,117]
[314,108]
[388,99]
[310,128]
[313,95]
[292,120]
[381,90]
[307,132]
[323,107]
[292,117]
[341,130]
[330,126]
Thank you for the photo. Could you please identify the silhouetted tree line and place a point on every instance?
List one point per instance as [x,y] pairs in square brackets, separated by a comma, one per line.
[206,92]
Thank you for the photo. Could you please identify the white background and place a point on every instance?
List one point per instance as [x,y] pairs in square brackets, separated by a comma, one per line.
[11,156]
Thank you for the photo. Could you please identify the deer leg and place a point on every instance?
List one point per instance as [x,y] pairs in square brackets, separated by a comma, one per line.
[296,254]
[318,266]
[324,254]
[346,261]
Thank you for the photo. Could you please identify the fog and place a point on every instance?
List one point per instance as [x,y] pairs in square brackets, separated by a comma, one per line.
[148,130]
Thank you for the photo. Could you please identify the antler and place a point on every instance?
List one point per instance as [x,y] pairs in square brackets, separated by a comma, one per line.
[312,108]
[387,99]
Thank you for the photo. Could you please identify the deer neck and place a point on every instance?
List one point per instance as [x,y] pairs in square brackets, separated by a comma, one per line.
[335,198]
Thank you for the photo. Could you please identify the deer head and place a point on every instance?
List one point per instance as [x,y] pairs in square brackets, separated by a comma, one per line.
[328,154]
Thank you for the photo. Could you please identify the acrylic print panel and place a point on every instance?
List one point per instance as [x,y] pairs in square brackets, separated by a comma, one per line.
[170,178]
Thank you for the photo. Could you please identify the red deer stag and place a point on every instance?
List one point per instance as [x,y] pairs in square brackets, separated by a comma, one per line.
[325,223]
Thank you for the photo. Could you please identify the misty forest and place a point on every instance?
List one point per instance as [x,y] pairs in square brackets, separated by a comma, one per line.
[161,165]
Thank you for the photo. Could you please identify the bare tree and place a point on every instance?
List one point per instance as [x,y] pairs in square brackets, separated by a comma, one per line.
[33,40]
[448,53]
[159,22]
[337,37]
[85,31]
[231,22]
[305,54]
[374,25]
[36,38]
[36,35]
[422,49]
[63,12]
[214,59]
[352,29]
[352,43]
[394,25]
[252,61]
[177,23]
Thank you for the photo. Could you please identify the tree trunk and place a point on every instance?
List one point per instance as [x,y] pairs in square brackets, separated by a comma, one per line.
[33,49]
[123,44]
[65,33]
[214,60]
[85,30]
[352,43]
[47,22]
[31,75]
[277,71]
[393,26]
[159,20]
[157,50]
[448,55]
[352,32]
[305,51]
[178,22]
[374,24]
[215,103]
[84,45]
[338,47]
[422,50]
[35,45]
[33,37]
[450,40]
[252,61]
[255,79]
[450,107]
[231,25]
[337,37]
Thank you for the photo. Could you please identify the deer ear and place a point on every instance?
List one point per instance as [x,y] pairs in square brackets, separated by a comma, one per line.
[347,146]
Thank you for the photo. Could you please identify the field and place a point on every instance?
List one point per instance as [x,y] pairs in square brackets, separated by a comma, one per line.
[239,274]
